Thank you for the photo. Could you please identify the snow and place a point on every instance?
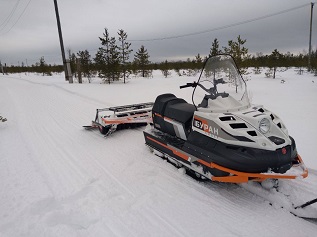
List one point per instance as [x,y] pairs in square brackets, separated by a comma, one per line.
[57,179]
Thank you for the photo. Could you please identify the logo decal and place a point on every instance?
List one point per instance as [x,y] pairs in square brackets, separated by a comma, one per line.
[202,125]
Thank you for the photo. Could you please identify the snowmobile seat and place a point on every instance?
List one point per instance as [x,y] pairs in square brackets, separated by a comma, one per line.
[180,111]
[172,107]
[161,102]
[168,106]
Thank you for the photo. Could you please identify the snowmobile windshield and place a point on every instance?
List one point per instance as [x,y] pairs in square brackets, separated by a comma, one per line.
[220,87]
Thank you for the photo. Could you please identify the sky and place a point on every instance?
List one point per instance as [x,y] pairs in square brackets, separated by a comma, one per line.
[168,29]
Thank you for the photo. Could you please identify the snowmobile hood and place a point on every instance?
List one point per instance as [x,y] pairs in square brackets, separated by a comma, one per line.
[253,127]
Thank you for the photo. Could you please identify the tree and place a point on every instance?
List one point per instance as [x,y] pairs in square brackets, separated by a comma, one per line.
[314,62]
[1,68]
[114,60]
[214,50]
[237,50]
[198,59]
[43,68]
[141,59]
[72,61]
[165,69]
[107,58]
[85,64]
[275,61]
[124,52]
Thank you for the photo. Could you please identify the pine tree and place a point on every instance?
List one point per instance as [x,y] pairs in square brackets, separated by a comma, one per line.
[86,63]
[165,69]
[198,59]
[124,52]
[1,68]
[114,60]
[43,68]
[237,50]
[141,59]
[275,59]
[214,50]
[257,62]
[72,61]
[197,63]
[107,58]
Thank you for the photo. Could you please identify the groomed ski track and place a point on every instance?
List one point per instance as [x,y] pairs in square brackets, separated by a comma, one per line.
[60,180]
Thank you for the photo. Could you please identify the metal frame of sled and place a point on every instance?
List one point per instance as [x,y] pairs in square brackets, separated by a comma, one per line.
[123,115]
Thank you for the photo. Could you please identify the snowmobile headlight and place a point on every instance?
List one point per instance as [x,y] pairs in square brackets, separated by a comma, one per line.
[264,125]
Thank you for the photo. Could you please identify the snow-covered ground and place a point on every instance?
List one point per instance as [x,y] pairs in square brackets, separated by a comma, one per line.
[57,179]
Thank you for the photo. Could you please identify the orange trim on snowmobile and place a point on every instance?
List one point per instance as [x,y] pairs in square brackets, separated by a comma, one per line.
[168,119]
[179,154]
[163,117]
[158,115]
[245,177]
[238,176]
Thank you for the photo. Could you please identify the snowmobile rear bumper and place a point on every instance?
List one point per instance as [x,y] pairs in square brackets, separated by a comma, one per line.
[172,149]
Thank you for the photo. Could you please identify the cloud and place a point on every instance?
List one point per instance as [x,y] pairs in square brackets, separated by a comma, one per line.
[35,34]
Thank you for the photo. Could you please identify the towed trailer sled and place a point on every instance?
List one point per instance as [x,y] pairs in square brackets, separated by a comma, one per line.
[108,120]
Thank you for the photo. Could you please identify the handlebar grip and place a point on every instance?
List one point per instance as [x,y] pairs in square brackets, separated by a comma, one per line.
[183,86]
[188,85]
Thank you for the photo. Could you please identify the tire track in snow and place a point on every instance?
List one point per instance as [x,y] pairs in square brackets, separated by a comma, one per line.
[94,102]
[54,142]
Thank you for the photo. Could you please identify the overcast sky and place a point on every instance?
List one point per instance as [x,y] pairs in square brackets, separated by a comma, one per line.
[28,28]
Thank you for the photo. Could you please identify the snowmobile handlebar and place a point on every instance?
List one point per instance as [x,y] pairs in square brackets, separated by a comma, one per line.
[194,84]
[189,85]
[212,90]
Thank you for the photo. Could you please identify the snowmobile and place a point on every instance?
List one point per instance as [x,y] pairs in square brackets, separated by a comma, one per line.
[221,136]
[108,120]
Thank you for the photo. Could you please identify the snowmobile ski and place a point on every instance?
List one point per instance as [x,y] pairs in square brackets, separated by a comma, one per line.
[279,199]
[306,204]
